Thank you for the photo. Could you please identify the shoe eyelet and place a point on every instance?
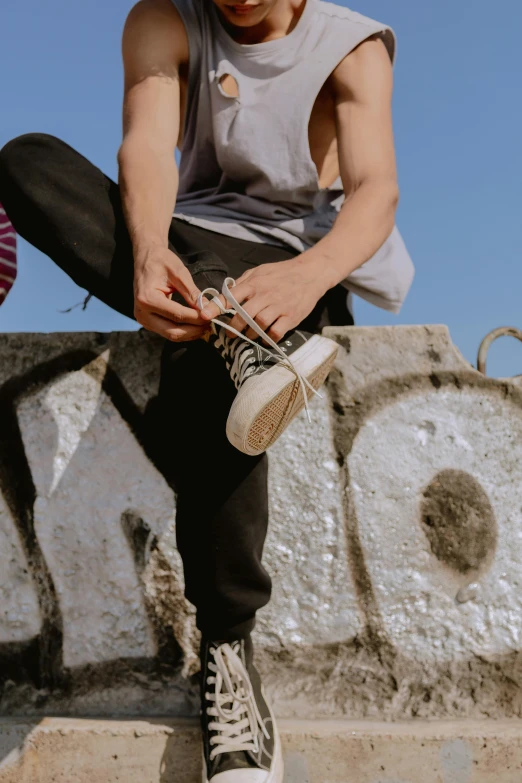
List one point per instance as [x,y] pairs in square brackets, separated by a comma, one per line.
[288,342]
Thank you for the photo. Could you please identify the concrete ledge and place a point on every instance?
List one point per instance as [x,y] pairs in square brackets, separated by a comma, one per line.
[58,750]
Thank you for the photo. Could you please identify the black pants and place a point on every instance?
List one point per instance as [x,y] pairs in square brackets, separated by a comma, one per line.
[63,205]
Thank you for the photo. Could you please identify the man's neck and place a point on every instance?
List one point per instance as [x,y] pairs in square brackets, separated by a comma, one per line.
[279,22]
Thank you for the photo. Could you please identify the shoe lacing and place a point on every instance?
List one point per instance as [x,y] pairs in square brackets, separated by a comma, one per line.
[239,356]
[280,355]
[232,686]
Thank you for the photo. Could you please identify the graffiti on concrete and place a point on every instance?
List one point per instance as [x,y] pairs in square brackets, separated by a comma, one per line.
[430,461]
[93,586]
[75,600]
[394,541]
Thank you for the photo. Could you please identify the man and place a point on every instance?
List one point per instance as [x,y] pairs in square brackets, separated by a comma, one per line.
[287,183]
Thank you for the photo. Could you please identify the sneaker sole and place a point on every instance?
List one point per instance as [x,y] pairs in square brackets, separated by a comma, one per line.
[262,411]
[276,775]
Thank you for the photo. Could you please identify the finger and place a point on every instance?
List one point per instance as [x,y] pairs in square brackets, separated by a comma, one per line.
[177,334]
[265,318]
[278,330]
[212,310]
[183,282]
[245,276]
[252,308]
[161,304]
[241,294]
[243,291]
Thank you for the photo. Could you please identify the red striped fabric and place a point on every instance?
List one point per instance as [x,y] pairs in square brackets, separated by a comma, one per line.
[7,255]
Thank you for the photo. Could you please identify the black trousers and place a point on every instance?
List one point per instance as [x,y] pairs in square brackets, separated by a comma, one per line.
[67,208]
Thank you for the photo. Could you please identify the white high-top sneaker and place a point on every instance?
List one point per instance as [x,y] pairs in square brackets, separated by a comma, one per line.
[274,383]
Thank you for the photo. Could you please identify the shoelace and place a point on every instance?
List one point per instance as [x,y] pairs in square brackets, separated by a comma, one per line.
[280,356]
[232,686]
[239,356]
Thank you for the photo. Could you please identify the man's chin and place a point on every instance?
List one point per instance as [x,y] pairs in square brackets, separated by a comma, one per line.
[242,18]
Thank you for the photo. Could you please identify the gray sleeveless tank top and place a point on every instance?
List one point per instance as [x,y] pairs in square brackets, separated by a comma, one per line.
[246,169]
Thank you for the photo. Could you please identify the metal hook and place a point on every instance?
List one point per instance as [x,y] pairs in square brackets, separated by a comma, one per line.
[502,331]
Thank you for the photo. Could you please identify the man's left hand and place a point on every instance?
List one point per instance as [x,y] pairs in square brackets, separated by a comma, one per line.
[277,296]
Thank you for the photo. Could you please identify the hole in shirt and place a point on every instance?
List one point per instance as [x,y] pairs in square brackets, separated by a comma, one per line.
[229,86]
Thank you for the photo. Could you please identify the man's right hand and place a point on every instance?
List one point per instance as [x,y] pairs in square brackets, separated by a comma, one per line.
[158,273]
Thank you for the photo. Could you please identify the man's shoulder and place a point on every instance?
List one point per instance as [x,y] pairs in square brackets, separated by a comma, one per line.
[341,12]
[148,8]
[149,15]
[355,28]
[155,33]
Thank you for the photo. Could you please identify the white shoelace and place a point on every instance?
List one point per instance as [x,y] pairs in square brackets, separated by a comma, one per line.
[232,686]
[243,359]
[280,356]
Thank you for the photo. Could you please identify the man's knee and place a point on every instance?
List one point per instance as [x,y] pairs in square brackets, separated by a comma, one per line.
[23,160]
[21,150]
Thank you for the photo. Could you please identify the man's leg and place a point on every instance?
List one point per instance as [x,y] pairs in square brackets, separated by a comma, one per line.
[222,502]
[66,207]
[63,205]
[222,517]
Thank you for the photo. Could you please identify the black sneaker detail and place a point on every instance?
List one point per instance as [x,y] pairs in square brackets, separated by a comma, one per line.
[243,360]
[248,759]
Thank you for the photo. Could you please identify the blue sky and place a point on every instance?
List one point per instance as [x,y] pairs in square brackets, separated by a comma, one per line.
[458,118]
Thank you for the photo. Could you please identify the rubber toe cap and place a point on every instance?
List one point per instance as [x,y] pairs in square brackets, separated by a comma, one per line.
[241,776]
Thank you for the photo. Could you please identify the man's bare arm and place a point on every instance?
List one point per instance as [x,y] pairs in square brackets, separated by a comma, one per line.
[154,48]
[363,86]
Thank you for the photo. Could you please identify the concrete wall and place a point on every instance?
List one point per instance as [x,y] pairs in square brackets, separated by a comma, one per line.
[395,542]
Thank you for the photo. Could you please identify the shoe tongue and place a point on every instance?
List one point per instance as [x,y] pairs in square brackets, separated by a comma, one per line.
[237,645]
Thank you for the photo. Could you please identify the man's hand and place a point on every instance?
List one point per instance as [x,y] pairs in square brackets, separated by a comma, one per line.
[277,296]
[155,48]
[158,273]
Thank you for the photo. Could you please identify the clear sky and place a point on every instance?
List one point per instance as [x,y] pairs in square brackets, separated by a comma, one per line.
[458,118]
